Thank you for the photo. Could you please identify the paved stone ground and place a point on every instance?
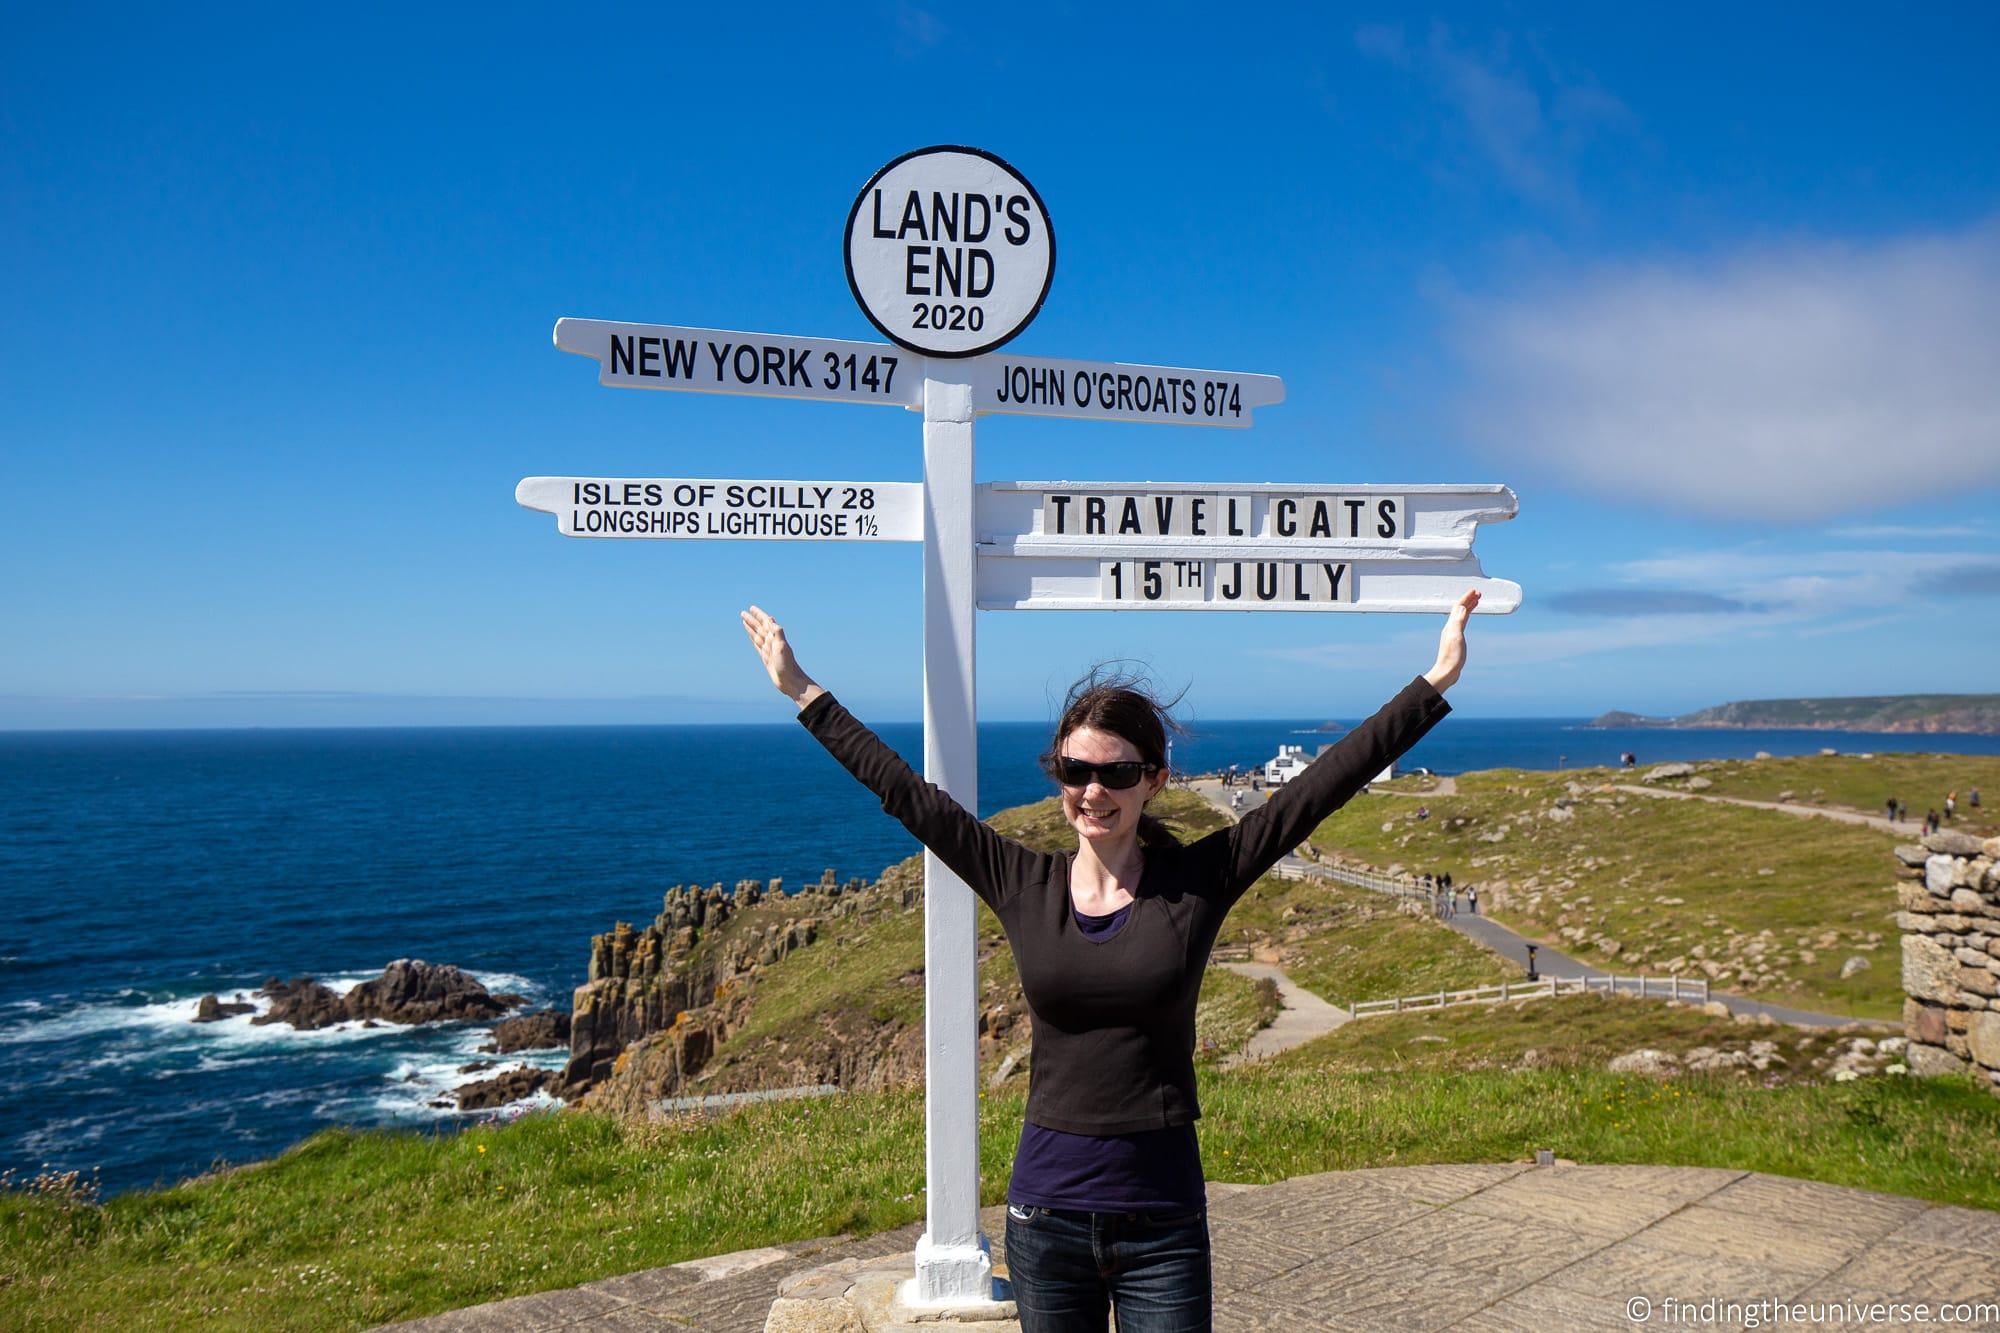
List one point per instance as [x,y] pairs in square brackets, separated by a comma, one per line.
[1481,1248]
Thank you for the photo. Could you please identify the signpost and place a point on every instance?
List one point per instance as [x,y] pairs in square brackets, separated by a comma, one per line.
[855,511]
[1176,546]
[950,253]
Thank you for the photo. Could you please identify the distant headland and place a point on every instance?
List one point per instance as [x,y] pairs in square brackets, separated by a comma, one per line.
[1915,713]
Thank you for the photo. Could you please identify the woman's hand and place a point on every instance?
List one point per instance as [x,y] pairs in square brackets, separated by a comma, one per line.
[768,636]
[1451,644]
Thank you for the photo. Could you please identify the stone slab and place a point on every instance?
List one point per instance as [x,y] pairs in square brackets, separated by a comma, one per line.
[1501,1247]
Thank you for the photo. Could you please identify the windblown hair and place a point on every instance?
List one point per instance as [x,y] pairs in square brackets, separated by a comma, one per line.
[1121,702]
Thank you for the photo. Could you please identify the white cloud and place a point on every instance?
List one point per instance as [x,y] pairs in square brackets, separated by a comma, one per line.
[1521,115]
[1800,593]
[1787,383]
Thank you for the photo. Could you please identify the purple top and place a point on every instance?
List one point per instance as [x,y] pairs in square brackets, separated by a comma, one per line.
[1111,1173]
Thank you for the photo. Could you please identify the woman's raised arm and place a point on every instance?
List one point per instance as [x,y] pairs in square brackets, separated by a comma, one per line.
[768,636]
[1451,644]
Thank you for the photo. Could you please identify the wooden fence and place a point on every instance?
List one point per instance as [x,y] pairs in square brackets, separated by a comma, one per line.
[1399,886]
[1693,990]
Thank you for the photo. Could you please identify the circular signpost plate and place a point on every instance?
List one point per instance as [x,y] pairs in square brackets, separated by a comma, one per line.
[949,251]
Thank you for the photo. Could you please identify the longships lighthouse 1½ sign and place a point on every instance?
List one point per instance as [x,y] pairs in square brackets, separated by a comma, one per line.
[950,253]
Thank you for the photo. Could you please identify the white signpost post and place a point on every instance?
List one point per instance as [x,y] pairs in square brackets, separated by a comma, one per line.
[950,253]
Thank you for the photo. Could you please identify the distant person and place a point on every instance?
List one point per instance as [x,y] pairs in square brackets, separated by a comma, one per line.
[1472,899]
[1902,811]
[1452,895]
[1930,821]
[1890,805]
[1972,798]
[1106,1210]
[1423,812]
[1950,804]
[1561,759]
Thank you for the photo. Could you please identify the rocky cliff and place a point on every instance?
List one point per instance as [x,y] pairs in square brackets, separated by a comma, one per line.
[1915,714]
[659,1000]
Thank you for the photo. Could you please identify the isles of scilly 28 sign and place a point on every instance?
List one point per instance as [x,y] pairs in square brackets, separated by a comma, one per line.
[949,251]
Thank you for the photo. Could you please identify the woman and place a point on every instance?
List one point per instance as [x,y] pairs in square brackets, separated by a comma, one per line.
[1106,1205]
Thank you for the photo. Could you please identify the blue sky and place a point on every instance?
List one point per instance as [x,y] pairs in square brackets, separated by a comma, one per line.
[1712,288]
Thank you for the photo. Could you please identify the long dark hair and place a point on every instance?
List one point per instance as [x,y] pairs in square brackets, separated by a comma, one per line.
[1121,701]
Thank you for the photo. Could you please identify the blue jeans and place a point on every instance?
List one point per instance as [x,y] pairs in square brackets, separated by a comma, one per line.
[1069,1267]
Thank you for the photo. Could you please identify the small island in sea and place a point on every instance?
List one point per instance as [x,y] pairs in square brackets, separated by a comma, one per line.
[1977,714]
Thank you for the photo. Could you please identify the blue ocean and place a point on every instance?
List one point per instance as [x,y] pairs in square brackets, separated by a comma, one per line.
[140,870]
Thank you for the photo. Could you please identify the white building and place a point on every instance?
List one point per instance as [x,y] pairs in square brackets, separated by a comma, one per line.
[1291,760]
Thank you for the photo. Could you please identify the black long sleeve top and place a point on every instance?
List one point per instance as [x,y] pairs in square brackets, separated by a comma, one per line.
[1112,1021]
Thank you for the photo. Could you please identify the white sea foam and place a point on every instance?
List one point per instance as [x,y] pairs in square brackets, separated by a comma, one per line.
[174,1018]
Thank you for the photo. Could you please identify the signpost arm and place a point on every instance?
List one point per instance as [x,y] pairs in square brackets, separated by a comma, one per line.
[952,1262]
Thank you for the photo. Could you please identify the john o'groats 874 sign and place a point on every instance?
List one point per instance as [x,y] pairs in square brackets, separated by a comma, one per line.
[949,251]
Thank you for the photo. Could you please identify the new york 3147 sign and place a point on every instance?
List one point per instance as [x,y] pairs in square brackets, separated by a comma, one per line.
[949,251]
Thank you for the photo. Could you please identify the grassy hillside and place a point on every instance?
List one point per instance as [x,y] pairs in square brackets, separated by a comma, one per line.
[1765,903]
[1882,712]
[1851,782]
[352,1229]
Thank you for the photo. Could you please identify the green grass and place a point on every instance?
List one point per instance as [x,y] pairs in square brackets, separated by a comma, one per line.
[1231,1010]
[1574,1031]
[1669,883]
[352,1229]
[1345,944]
[1850,782]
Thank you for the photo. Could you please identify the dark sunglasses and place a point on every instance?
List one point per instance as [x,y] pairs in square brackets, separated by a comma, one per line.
[1116,777]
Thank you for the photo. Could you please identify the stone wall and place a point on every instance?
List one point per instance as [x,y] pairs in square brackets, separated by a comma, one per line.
[1950,918]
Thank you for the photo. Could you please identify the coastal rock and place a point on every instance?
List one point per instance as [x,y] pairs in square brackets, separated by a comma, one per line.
[413,991]
[1666,772]
[1855,963]
[701,947]
[511,1086]
[530,1032]
[212,1009]
[408,991]
[302,1002]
